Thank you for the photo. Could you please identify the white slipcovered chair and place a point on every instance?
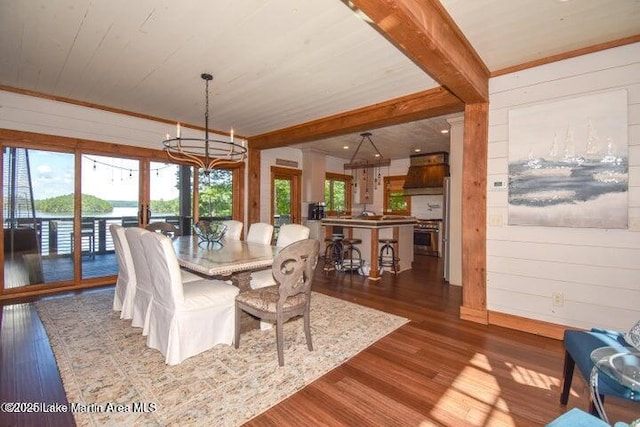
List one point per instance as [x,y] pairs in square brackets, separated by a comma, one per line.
[260,232]
[126,281]
[289,233]
[185,318]
[144,292]
[234,229]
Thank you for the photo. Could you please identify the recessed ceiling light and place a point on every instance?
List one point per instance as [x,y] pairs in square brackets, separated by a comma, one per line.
[417,150]
[346,147]
[377,155]
[444,131]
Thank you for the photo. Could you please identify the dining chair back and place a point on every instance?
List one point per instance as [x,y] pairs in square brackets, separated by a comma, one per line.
[126,282]
[234,229]
[144,288]
[290,233]
[185,318]
[293,269]
[260,232]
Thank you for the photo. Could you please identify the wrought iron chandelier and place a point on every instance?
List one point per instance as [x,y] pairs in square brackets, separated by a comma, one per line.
[205,153]
[376,164]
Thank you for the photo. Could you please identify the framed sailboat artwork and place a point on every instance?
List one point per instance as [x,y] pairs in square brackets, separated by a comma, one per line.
[568,162]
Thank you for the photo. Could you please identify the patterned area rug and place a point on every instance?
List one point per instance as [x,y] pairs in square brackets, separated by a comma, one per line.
[106,366]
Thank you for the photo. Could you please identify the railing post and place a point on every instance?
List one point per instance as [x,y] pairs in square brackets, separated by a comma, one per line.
[102,236]
[53,237]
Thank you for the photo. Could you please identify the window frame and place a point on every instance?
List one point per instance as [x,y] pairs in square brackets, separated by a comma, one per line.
[348,181]
[391,184]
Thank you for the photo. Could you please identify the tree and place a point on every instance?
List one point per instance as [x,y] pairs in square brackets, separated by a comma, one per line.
[216,193]
[64,205]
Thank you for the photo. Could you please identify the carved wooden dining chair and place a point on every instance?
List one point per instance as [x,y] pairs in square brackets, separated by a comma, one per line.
[293,270]
[288,234]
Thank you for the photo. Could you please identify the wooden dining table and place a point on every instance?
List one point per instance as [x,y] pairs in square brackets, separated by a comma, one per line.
[234,258]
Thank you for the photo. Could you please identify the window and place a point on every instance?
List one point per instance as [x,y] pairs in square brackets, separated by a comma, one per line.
[216,194]
[395,202]
[337,194]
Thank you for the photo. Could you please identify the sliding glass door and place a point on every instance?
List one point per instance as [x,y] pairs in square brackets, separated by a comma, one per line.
[170,195]
[110,188]
[38,201]
[60,196]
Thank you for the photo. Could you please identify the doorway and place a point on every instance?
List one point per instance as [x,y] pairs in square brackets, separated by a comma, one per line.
[286,196]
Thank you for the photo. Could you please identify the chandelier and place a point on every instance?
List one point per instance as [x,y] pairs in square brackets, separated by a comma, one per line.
[205,153]
[365,165]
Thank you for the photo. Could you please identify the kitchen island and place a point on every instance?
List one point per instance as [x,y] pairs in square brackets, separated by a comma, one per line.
[370,230]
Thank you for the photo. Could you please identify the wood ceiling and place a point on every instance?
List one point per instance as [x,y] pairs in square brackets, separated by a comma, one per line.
[282,67]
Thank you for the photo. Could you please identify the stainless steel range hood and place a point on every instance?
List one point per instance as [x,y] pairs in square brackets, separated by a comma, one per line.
[426,174]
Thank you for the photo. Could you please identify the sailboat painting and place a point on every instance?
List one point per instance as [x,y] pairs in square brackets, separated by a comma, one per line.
[568,162]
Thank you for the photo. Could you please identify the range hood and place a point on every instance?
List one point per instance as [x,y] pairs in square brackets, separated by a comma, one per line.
[426,174]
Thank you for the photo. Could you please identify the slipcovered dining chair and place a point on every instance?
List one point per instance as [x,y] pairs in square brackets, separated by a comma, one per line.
[234,229]
[260,232]
[126,282]
[293,270]
[164,228]
[185,319]
[143,291]
[289,233]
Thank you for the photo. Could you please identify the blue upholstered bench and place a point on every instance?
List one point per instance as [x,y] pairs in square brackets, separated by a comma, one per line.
[578,346]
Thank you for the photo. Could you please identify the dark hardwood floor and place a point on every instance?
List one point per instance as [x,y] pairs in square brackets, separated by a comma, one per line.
[436,370]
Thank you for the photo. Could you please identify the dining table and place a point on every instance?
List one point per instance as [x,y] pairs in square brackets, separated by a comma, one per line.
[234,258]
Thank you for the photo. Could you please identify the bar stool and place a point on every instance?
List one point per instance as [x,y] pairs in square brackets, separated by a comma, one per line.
[333,252]
[387,256]
[351,256]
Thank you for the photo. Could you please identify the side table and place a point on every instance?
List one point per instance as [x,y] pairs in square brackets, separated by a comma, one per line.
[623,368]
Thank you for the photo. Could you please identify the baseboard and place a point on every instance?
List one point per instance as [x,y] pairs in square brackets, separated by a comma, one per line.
[473,315]
[532,326]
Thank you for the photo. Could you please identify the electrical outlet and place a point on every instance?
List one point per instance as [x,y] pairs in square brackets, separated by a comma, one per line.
[558,299]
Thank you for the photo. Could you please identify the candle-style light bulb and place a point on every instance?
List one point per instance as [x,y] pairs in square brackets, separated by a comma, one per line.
[168,136]
[178,130]
[231,135]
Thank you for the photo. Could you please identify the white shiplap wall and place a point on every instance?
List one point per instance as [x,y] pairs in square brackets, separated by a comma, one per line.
[40,115]
[596,270]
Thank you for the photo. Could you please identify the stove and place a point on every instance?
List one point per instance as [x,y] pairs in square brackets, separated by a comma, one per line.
[426,237]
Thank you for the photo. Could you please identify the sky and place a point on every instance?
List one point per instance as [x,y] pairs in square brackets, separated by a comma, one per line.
[108,178]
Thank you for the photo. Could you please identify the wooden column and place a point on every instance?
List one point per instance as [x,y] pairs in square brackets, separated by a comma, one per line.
[253,193]
[474,200]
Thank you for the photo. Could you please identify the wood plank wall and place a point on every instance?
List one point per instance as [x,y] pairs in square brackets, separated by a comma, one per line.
[596,270]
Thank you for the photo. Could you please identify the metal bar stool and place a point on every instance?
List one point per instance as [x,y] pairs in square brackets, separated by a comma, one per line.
[351,256]
[333,252]
[387,256]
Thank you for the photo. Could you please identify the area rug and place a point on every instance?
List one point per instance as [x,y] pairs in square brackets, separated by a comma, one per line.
[111,378]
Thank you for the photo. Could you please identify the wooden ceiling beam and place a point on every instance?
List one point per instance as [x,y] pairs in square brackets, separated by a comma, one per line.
[417,106]
[426,33]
